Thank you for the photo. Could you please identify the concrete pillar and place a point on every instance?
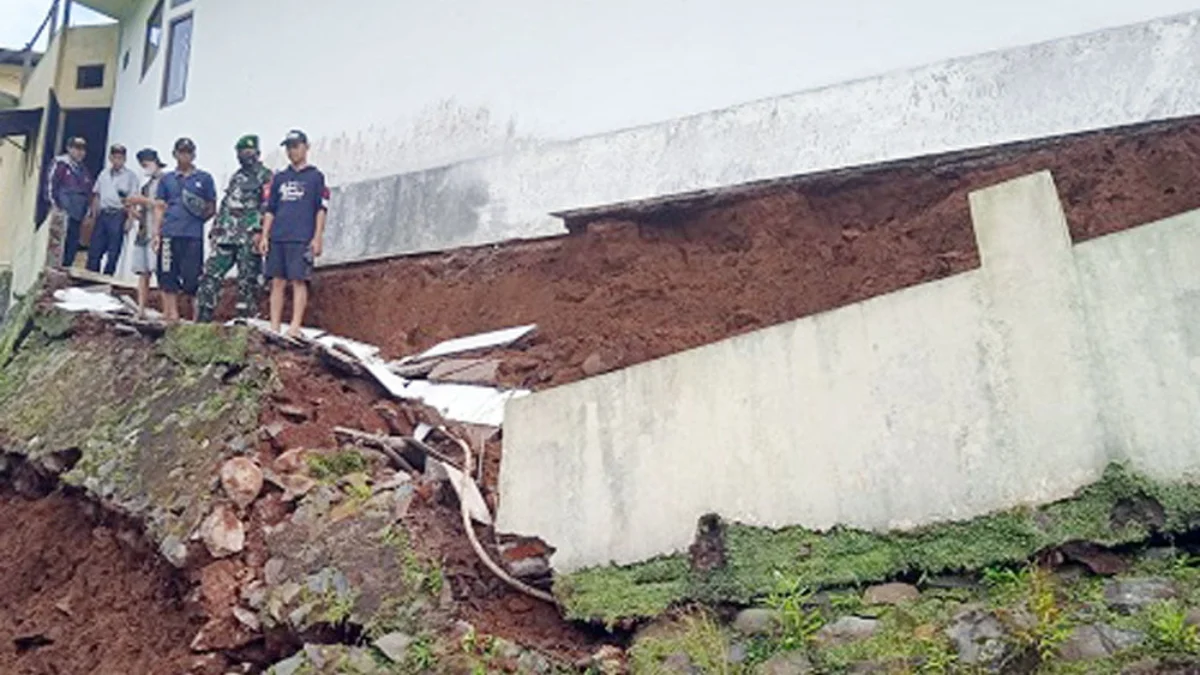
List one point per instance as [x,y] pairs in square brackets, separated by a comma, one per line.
[1035,338]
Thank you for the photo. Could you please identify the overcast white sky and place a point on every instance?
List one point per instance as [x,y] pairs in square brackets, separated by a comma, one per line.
[20,18]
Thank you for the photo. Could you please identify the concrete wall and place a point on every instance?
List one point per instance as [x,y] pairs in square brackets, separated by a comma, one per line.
[83,46]
[445,123]
[10,79]
[22,248]
[1013,384]
[1123,76]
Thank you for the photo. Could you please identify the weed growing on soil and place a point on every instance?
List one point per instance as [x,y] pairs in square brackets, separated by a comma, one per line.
[332,466]
[205,344]
[1034,603]
[1169,629]
[798,622]
[698,637]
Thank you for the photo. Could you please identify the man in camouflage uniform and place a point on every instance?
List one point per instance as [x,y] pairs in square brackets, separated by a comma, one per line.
[235,234]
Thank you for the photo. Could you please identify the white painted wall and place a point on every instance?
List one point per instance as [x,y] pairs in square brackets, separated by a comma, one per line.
[386,87]
[1013,384]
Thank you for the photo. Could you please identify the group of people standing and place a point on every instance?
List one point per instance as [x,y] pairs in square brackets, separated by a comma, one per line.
[279,216]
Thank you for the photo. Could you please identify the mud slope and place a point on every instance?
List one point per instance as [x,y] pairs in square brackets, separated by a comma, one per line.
[643,284]
[77,597]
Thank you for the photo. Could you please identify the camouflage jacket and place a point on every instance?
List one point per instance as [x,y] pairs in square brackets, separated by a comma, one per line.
[239,217]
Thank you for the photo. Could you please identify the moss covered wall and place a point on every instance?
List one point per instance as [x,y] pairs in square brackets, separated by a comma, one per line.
[1121,508]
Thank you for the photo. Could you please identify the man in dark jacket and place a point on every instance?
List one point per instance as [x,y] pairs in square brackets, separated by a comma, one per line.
[70,188]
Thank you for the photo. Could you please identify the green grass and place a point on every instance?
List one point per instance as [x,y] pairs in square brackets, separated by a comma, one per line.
[206,344]
[328,467]
[844,557]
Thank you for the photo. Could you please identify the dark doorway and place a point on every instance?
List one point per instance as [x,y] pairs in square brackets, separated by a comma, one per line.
[92,125]
[50,145]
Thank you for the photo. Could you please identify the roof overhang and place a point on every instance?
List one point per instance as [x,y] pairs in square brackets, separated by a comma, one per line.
[117,9]
[20,123]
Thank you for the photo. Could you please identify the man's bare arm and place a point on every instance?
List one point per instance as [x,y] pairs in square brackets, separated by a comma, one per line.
[265,242]
[160,208]
[318,244]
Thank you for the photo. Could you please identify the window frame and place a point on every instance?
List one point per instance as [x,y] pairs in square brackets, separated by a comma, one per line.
[149,51]
[187,17]
[89,69]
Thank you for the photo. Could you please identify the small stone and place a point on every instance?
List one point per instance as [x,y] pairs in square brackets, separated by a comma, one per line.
[295,486]
[394,481]
[529,568]
[297,616]
[609,660]
[289,591]
[891,594]
[64,606]
[1130,595]
[255,595]
[247,618]
[756,621]
[293,412]
[787,663]
[174,550]
[506,649]
[1193,617]
[593,365]
[221,633]
[273,430]
[394,646]
[679,663]
[978,637]
[273,571]
[292,461]
[242,480]
[737,653]
[534,663]
[1098,559]
[290,665]
[847,629]
[1091,643]
[222,533]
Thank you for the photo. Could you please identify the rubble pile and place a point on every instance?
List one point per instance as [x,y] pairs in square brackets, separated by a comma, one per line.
[308,505]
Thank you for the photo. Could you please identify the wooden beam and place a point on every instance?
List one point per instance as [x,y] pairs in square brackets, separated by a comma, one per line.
[81,274]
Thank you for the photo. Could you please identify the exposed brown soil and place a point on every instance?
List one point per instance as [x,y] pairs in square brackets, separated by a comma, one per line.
[433,521]
[645,282]
[79,595]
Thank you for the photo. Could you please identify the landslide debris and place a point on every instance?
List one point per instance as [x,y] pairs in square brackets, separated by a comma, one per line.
[270,539]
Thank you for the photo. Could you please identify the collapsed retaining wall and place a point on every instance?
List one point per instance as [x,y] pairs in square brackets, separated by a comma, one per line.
[652,280]
[1015,383]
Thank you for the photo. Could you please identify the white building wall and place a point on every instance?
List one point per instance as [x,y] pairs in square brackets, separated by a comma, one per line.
[1013,384]
[385,86]
[445,123]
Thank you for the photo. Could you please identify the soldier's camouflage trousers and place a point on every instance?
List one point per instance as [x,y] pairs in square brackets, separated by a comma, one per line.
[249,279]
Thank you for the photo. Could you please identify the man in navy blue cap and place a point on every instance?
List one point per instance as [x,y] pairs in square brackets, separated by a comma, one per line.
[186,199]
[293,230]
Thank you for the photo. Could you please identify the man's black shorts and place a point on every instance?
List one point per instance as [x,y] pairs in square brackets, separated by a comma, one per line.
[291,260]
[180,261]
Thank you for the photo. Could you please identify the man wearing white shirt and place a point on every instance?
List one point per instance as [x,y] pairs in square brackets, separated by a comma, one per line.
[110,206]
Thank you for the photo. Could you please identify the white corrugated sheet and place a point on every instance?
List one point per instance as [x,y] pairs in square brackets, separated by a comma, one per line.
[496,338]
